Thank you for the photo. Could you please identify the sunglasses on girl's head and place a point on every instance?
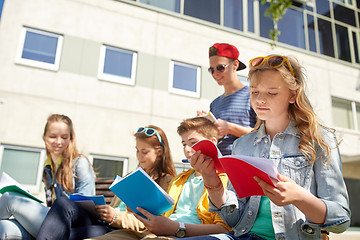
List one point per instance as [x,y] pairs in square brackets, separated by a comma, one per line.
[274,61]
[221,68]
[150,132]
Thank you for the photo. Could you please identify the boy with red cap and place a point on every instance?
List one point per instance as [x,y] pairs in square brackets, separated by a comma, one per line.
[235,117]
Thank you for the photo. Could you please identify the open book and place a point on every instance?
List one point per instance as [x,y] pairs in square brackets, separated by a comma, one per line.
[240,169]
[138,189]
[88,202]
[209,116]
[8,184]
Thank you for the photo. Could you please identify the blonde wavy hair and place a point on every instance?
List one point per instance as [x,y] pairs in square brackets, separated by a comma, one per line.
[301,111]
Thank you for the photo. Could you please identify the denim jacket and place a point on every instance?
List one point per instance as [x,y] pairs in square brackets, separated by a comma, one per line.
[324,180]
[83,181]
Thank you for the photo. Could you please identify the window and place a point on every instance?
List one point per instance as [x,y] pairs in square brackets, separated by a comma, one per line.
[1,6]
[325,38]
[266,23]
[208,10]
[343,45]
[233,14]
[346,114]
[184,79]
[24,164]
[311,33]
[108,166]
[171,5]
[117,65]
[292,29]
[39,49]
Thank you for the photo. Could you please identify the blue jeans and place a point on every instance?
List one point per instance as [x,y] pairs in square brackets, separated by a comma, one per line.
[27,216]
[68,220]
[227,236]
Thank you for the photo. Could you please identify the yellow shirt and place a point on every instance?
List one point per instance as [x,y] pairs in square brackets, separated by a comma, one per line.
[206,217]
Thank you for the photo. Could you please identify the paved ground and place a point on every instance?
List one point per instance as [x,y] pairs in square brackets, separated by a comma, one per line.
[347,235]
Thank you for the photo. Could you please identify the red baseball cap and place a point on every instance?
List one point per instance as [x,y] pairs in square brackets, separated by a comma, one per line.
[226,50]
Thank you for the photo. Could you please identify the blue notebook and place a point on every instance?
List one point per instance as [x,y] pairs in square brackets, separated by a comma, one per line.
[138,189]
[98,200]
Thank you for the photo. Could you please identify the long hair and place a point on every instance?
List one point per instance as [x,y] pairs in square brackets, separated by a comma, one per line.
[164,164]
[64,175]
[301,111]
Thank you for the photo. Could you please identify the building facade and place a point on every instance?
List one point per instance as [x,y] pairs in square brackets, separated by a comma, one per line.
[113,66]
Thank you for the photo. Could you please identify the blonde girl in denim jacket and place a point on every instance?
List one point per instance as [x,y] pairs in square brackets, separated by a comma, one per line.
[311,194]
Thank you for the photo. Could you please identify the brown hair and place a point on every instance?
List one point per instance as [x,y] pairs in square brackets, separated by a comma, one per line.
[301,110]
[64,175]
[164,164]
[201,125]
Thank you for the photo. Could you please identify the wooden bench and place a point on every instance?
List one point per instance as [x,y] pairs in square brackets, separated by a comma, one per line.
[102,188]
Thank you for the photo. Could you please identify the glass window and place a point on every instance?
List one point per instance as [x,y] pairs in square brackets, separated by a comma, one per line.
[325,38]
[358,115]
[358,4]
[31,161]
[208,10]
[344,14]
[39,49]
[233,14]
[171,5]
[343,45]
[311,33]
[251,24]
[266,23]
[356,50]
[342,113]
[292,29]
[1,6]
[184,79]
[117,65]
[109,167]
[323,7]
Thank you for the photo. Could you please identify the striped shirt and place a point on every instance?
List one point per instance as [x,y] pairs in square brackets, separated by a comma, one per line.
[234,108]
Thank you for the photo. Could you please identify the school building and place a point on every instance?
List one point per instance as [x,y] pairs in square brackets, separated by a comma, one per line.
[115,65]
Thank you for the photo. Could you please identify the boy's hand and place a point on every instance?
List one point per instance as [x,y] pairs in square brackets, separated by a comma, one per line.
[203,164]
[200,113]
[159,225]
[106,212]
[286,191]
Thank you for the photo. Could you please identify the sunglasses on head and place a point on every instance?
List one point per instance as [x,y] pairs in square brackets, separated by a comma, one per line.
[274,61]
[150,132]
[220,68]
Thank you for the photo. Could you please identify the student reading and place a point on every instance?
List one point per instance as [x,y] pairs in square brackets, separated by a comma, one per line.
[311,194]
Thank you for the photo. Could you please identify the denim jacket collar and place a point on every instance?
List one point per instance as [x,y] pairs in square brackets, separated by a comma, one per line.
[261,133]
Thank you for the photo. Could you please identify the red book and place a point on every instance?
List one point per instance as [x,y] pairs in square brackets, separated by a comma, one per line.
[240,169]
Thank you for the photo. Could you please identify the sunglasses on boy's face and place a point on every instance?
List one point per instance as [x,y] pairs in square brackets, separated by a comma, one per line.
[150,132]
[220,68]
[274,61]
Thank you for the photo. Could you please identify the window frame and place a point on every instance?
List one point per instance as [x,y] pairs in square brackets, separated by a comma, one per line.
[114,78]
[111,158]
[182,91]
[35,63]
[353,105]
[32,188]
